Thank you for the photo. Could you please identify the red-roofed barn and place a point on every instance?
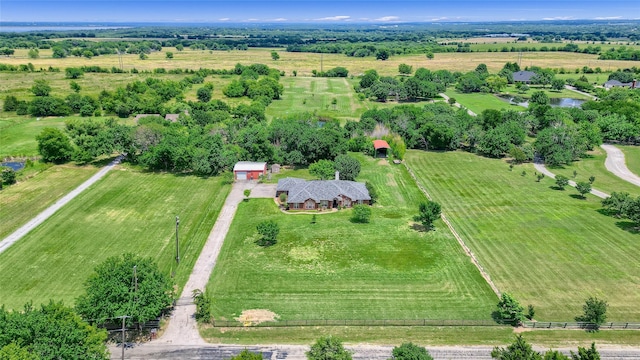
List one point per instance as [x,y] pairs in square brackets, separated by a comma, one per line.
[380,148]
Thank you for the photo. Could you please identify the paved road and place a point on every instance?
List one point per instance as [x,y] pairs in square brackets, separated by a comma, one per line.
[543,169]
[182,328]
[615,163]
[360,352]
[46,213]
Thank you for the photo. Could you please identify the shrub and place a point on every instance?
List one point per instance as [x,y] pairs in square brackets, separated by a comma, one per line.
[361,214]
[328,348]
[269,230]
[594,311]
[8,176]
[203,305]
[509,310]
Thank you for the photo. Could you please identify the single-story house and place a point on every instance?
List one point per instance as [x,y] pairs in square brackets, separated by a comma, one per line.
[615,83]
[322,194]
[249,170]
[380,148]
[523,76]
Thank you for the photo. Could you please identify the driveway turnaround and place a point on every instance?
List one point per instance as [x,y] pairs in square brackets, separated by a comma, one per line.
[616,165]
[46,213]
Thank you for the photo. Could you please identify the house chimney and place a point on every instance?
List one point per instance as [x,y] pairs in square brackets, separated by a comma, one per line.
[337,175]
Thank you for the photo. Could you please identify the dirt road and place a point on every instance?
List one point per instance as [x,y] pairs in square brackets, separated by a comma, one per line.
[46,213]
[615,164]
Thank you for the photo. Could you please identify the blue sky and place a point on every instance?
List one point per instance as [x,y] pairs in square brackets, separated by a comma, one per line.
[216,11]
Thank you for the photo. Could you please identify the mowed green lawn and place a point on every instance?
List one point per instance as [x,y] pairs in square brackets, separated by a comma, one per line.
[336,269]
[631,157]
[19,203]
[127,211]
[544,246]
[18,134]
[478,102]
[593,165]
[311,94]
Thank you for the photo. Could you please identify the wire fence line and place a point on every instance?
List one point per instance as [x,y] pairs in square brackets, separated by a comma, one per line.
[580,325]
[423,323]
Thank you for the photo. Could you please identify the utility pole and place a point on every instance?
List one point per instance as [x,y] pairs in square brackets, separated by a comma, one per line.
[177,243]
[123,332]
[135,279]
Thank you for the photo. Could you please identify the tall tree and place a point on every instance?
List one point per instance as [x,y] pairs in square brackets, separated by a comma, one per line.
[509,310]
[52,331]
[126,285]
[54,145]
[347,166]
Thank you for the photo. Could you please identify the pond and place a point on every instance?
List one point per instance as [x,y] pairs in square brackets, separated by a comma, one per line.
[15,165]
[554,102]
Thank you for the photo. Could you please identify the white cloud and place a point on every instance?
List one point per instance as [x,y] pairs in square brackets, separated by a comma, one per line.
[388,18]
[558,18]
[224,19]
[440,18]
[280,19]
[608,17]
[335,18]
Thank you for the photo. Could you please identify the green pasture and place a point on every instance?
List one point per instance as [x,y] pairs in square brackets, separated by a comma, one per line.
[126,211]
[593,165]
[631,157]
[20,202]
[548,248]
[478,102]
[335,269]
[18,134]
[311,94]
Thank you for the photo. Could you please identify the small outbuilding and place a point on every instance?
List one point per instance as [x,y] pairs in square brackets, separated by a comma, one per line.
[380,148]
[249,170]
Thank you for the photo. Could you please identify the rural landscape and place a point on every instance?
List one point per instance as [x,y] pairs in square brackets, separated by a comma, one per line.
[343,190]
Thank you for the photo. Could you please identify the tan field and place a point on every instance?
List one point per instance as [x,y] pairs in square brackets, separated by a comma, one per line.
[305,63]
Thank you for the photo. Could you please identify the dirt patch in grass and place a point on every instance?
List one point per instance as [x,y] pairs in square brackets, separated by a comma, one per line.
[383,162]
[256,316]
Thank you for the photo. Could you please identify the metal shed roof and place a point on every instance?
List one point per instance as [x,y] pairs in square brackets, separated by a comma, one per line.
[249,166]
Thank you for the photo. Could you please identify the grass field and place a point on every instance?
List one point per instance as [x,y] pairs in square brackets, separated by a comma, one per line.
[335,269]
[478,102]
[565,93]
[424,336]
[544,246]
[310,94]
[304,63]
[631,157]
[24,200]
[18,135]
[127,211]
[593,165]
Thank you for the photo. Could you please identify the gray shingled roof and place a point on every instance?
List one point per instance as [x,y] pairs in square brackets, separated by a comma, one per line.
[523,75]
[301,190]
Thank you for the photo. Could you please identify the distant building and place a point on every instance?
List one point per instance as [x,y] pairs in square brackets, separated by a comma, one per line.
[615,83]
[523,76]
